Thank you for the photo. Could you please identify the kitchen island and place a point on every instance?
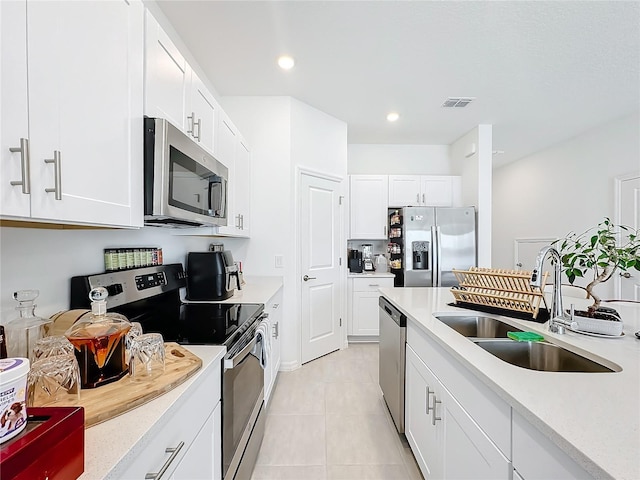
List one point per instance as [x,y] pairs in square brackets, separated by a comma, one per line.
[593,418]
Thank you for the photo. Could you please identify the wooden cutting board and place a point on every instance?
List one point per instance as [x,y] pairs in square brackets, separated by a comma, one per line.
[107,401]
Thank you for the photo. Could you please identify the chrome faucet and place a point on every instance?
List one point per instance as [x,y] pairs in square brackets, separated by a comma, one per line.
[557,318]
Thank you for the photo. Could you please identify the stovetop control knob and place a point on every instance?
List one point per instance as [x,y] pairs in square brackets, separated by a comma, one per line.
[114,289]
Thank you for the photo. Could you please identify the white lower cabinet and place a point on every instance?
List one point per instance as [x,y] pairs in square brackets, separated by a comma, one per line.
[363,297]
[203,459]
[187,443]
[274,309]
[446,441]
[535,457]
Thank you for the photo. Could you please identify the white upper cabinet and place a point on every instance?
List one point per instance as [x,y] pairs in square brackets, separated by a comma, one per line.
[234,154]
[85,90]
[166,76]
[203,110]
[15,199]
[368,197]
[174,91]
[242,187]
[424,190]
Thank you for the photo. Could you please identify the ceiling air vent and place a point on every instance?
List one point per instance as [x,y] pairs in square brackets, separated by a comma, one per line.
[457,102]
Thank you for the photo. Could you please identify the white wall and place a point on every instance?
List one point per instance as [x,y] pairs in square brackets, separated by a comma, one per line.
[318,140]
[284,134]
[471,157]
[399,159]
[43,259]
[568,187]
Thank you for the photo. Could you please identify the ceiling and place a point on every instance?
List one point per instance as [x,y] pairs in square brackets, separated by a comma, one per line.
[541,72]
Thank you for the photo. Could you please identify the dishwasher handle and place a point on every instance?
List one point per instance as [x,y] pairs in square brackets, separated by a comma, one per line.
[396,315]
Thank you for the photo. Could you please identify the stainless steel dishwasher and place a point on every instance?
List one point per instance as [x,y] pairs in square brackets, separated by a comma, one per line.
[393,336]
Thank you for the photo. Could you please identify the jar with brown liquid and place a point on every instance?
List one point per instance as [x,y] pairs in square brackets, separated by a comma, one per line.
[98,338]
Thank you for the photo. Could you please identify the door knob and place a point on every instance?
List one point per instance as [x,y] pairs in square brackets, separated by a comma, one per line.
[306,278]
[626,275]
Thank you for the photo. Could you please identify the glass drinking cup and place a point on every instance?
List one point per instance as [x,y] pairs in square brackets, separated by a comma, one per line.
[54,379]
[52,346]
[147,356]
[134,331]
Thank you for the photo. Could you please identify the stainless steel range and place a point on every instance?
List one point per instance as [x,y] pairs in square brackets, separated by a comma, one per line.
[151,296]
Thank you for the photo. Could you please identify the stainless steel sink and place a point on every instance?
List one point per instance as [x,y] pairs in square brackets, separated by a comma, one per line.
[477,326]
[542,356]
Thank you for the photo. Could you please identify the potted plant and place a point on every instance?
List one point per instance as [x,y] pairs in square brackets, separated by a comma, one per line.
[603,250]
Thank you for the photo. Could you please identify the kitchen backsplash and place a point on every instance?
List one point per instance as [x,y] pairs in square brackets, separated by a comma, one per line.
[44,259]
[379,246]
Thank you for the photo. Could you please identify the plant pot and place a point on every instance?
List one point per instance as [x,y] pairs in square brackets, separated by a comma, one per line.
[601,322]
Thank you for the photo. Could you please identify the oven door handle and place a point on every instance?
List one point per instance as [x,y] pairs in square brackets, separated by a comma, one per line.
[240,356]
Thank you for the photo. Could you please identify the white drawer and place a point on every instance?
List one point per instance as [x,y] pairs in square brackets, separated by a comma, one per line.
[181,426]
[371,284]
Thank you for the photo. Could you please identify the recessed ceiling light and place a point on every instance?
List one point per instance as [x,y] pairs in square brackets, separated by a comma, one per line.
[393,116]
[286,62]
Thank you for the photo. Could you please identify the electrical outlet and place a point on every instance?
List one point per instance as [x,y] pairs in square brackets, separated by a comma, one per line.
[279,261]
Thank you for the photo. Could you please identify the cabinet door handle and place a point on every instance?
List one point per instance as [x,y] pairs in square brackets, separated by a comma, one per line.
[57,173]
[306,278]
[429,393]
[276,330]
[423,200]
[374,284]
[418,197]
[238,221]
[191,118]
[199,125]
[24,165]
[626,275]
[435,417]
[275,305]
[241,222]
[174,452]
[385,230]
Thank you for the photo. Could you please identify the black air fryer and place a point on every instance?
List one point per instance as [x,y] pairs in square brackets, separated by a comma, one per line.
[209,276]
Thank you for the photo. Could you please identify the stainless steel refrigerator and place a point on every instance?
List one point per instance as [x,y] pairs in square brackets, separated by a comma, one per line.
[426,243]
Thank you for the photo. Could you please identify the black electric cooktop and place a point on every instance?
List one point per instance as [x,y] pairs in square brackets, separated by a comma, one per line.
[195,323]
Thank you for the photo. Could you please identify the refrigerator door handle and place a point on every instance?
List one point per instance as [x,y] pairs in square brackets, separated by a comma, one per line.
[439,253]
[435,268]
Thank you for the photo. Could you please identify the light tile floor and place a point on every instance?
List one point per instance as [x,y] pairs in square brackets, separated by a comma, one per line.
[328,421]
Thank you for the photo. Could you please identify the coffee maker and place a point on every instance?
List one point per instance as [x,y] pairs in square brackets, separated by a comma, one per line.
[367,257]
[211,276]
[355,261]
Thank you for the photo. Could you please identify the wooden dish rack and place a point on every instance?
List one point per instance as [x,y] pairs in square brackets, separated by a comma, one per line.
[498,288]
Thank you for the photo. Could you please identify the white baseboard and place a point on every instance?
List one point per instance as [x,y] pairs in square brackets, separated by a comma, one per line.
[363,339]
[289,366]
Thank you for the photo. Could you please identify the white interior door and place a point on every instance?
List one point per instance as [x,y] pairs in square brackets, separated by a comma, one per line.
[629,211]
[320,269]
[526,250]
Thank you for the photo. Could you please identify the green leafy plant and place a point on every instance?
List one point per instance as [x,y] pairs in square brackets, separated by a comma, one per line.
[603,250]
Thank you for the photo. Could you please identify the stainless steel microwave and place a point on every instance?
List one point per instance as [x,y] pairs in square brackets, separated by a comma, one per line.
[184,185]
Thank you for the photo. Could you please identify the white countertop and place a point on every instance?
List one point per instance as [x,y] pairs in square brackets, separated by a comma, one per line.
[109,446]
[593,417]
[256,289]
[371,274]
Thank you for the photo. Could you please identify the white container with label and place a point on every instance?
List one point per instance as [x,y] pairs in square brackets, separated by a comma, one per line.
[13,397]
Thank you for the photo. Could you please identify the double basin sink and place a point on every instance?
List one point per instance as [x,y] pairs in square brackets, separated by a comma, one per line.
[490,334]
